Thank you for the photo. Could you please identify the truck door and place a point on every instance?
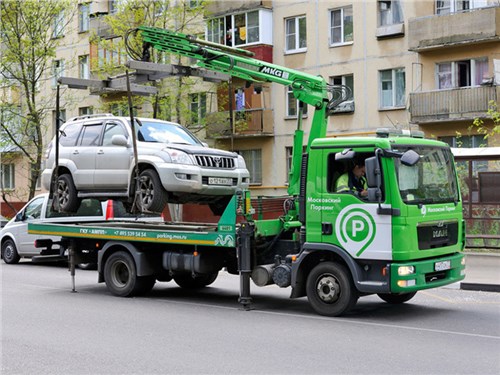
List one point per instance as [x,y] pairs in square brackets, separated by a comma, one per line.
[348,219]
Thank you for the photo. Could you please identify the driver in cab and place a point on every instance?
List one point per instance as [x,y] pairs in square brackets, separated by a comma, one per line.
[353,181]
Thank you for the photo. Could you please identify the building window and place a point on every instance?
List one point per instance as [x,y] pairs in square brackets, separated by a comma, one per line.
[114,5]
[113,55]
[83,67]
[463,73]
[58,25]
[348,81]
[240,29]
[85,111]
[8,176]
[389,13]
[62,119]
[453,6]
[253,160]
[83,17]
[57,71]
[341,26]
[198,107]
[194,3]
[295,34]
[292,104]
[392,88]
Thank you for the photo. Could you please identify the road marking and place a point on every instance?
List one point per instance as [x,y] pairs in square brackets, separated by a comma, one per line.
[455,302]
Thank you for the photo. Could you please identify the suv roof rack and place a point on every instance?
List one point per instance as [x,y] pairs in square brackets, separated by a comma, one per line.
[90,116]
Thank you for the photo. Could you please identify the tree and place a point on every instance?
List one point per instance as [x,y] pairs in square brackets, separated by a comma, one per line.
[493,114]
[29,36]
[182,16]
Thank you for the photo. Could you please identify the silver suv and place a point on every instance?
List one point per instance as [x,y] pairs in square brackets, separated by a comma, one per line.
[96,159]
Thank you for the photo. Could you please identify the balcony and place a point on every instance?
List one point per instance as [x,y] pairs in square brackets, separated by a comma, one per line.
[100,27]
[464,103]
[255,122]
[440,31]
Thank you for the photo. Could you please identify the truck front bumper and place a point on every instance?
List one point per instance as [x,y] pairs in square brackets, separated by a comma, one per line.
[425,274]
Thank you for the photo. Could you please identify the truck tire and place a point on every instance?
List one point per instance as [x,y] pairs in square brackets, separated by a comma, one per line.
[121,277]
[9,252]
[330,289]
[396,298]
[67,196]
[152,196]
[187,281]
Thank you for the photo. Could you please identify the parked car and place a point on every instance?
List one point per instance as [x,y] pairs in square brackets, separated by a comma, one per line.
[17,243]
[96,159]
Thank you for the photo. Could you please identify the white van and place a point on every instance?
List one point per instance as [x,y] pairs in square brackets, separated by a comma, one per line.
[17,243]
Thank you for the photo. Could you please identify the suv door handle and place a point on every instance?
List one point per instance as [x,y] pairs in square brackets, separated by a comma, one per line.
[100,152]
[75,152]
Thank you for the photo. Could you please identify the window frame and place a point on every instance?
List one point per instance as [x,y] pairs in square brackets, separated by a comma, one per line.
[331,27]
[8,170]
[198,114]
[454,73]
[57,71]
[58,25]
[394,94]
[395,9]
[84,66]
[253,162]
[290,97]
[83,17]
[297,35]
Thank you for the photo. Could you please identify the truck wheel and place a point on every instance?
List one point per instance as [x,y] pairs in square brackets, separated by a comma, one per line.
[121,276]
[187,281]
[152,197]
[396,298]
[330,289]
[67,196]
[9,252]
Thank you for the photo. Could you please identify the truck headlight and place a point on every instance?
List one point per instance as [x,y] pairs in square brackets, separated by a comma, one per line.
[406,270]
[179,157]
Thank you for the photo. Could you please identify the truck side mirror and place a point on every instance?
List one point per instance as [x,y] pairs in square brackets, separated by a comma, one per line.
[410,158]
[372,169]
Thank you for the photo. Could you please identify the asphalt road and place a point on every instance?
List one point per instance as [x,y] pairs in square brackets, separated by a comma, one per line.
[47,329]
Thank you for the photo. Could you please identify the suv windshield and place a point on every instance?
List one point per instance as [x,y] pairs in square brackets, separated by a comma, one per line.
[164,132]
[431,180]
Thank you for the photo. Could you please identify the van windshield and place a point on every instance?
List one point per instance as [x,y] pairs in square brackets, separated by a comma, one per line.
[431,180]
[164,132]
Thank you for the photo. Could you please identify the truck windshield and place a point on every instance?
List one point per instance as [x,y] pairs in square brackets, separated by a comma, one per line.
[431,180]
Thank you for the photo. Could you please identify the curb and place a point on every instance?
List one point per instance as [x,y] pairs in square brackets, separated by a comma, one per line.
[480,287]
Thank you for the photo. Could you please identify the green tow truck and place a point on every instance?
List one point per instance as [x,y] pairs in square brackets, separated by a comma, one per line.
[406,235]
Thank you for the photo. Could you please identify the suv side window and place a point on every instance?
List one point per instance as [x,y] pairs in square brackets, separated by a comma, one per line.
[111,129]
[90,135]
[69,134]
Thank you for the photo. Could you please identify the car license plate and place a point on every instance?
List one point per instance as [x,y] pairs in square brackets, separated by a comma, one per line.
[220,181]
[443,265]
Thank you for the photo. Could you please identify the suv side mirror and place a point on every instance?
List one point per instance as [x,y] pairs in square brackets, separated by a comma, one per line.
[119,140]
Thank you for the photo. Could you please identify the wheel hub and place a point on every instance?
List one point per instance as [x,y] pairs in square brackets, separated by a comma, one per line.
[328,289]
[120,274]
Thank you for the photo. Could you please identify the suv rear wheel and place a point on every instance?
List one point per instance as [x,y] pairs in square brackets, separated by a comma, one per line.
[152,196]
[67,196]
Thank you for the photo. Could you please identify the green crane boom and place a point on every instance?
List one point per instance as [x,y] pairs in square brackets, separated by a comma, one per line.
[307,88]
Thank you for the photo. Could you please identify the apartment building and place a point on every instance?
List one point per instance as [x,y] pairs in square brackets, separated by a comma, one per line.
[428,64]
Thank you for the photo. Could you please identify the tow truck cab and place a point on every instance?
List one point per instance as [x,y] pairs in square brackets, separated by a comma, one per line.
[408,233]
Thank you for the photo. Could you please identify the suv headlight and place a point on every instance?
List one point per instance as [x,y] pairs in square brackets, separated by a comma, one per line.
[178,157]
[241,162]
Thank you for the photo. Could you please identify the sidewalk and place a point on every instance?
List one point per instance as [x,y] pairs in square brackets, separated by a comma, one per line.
[482,272]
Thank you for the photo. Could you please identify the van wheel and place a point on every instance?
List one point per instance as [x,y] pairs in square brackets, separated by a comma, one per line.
[9,252]
[121,277]
[396,298]
[152,196]
[187,281]
[330,289]
[67,196]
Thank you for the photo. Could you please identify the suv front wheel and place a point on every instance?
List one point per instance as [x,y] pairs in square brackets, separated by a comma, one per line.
[151,195]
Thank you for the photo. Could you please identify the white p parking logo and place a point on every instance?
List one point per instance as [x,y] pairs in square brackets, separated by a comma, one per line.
[355,229]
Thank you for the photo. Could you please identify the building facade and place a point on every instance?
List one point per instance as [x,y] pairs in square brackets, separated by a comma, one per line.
[429,65]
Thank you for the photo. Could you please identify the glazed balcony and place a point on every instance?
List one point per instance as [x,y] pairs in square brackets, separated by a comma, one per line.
[255,122]
[100,27]
[465,103]
[454,29]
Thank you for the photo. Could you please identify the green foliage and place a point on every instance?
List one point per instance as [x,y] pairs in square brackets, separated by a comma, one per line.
[28,44]
[493,114]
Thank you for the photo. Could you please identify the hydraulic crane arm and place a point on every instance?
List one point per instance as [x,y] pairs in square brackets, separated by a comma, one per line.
[307,88]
